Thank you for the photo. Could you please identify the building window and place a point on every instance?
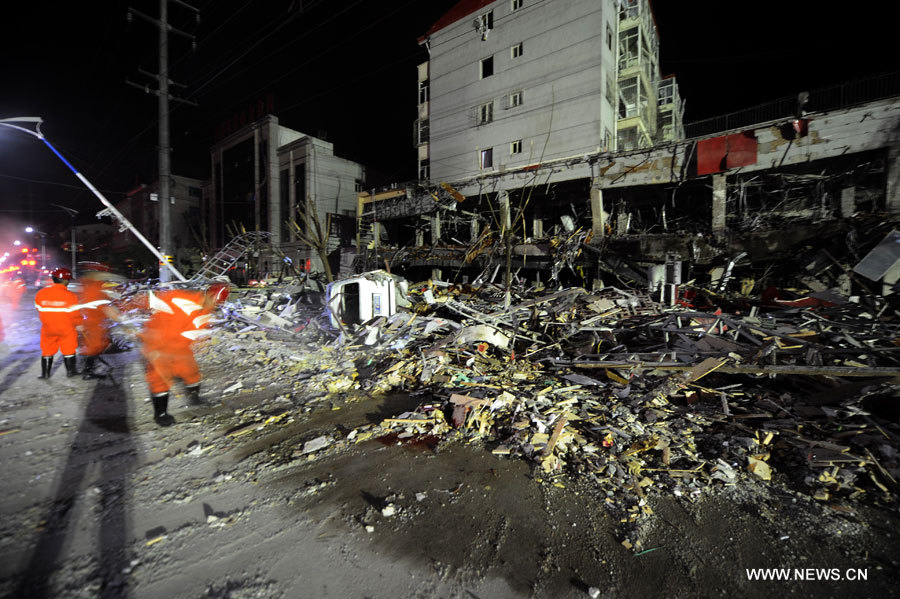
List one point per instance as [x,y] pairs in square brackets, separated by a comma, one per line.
[666,93]
[516,51]
[515,147]
[610,89]
[631,97]
[487,158]
[515,4]
[629,48]
[609,37]
[487,67]
[423,91]
[485,113]
[607,140]
[424,170]
[514,99]
[484,23]
[421,131]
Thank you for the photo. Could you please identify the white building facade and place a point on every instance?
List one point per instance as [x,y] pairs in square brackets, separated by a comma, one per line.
[515,83]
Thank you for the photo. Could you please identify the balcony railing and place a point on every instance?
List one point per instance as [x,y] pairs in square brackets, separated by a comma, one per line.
[833,97]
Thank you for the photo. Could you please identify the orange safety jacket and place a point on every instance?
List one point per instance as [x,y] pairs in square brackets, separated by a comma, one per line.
[59,312]
[94,301]
[58,309]
[178,319]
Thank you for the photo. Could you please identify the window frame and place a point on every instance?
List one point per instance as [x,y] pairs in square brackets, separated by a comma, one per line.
[514,49]
[515,147]
[484,113]
[519,99]
[481,67]
[486,158]
[515,5]
[485,22]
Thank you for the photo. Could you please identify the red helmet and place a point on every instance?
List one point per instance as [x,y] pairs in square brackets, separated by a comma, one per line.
[218,291]
[62,273]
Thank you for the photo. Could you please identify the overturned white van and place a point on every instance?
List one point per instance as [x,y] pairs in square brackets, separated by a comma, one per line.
[366,296]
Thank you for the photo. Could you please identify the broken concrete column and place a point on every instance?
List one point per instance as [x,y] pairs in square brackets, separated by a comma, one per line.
[505,222]
[848,201]
[598,215]
[718,204]
[435,228]
[537,228]
[892,188]
[473,230]
[276,219]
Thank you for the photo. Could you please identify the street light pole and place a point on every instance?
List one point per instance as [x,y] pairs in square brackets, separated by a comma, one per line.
[110,209]
[72,214]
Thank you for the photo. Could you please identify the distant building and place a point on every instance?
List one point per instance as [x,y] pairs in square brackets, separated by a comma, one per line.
[141,208]
[263,172]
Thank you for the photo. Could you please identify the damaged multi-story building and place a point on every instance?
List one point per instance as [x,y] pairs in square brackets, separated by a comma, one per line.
[550,146]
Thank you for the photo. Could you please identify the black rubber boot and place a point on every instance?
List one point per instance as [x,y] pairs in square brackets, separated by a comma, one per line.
[193,397]
[88,371]
[160,415]
[71,369]
[46,364]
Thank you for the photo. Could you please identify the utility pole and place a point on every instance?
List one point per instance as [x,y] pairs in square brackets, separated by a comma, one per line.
[72,214]
[163,192]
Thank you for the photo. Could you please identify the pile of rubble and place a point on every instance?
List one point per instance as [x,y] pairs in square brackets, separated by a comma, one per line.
[611,388]
[607,385]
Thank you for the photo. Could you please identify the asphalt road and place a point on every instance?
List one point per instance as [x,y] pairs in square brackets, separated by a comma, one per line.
[97,501]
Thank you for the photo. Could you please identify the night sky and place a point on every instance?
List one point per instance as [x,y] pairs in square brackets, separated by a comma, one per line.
[338,69]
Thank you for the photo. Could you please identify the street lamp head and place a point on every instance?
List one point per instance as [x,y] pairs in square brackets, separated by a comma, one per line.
[29,230]
[17,242]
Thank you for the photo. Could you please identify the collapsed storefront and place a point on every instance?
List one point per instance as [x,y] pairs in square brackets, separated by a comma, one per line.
[779,195]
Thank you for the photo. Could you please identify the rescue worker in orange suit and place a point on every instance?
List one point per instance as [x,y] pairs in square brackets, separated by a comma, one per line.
[97,310]
[60,317]
[4,285]
[178,317]
[14,292]
[10,293]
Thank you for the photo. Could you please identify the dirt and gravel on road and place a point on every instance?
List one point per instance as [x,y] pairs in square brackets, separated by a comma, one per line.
[269,492]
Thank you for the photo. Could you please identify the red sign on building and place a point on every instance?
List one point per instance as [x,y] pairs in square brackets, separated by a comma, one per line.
[730,151]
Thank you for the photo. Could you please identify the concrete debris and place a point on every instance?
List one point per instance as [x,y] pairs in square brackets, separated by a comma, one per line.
[316,444]
[628,391]
[233,388]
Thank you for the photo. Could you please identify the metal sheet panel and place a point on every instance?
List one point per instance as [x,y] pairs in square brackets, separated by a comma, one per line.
[882,257]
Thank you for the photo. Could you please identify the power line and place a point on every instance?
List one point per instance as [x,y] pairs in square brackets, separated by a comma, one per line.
[45,182]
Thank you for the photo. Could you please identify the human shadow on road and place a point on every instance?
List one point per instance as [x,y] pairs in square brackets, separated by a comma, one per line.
[104,442]
[18,367]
